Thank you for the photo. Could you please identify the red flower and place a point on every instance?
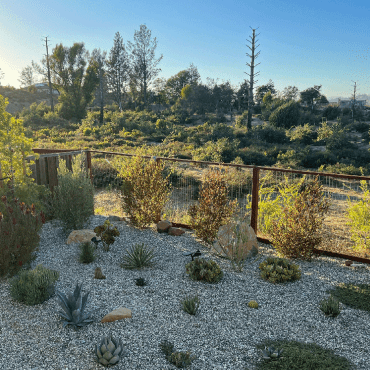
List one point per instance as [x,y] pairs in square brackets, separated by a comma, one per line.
[14,221]
[18,246]
[20,263]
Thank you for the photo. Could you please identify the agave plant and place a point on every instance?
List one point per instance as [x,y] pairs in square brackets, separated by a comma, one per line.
[73,308]
[140,282]
[109,351]
[272,354]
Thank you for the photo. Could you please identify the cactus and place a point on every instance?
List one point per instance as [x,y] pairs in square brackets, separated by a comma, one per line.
[253,304]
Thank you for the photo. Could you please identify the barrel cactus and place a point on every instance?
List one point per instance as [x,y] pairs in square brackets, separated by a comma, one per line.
[253,304]
[109,351]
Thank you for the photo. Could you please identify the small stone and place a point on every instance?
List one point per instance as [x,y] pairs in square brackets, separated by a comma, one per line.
[163,226]
[81,236]
[119,314]
[98,274]
[175,231]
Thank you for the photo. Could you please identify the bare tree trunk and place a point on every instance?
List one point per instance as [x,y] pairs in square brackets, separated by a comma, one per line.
[49,77]
[251,75]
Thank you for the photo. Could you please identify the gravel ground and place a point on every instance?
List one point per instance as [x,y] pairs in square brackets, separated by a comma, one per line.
[222,335]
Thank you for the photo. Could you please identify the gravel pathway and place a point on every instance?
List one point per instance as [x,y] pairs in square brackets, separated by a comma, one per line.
[222,335]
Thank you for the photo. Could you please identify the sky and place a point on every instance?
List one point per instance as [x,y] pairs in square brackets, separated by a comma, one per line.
[301,43]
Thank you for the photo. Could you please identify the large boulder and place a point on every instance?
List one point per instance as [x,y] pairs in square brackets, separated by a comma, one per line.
[229,245]
[81,236]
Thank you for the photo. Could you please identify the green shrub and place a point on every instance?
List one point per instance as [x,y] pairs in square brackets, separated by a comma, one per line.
[19,238]
[191,305]
[270,134]
[304,135]
[359,216]
[214,208]
[107,235]
[179,359]
[139,256]
[331,113]
[286,116]
[144,191]
[241,121]
[341,168]
[297,232]
[314,159]
[203,270]
[35,286]
[279,270]
[87,253]
[255,157]
[73,198]
[330,307]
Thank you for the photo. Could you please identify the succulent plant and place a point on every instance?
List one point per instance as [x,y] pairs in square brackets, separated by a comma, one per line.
[202,270]
[253,304]
[109,351]
[191,305]
[107,235]
[271,353]
[139,256]
[73,308]
[140,282]
[279,270]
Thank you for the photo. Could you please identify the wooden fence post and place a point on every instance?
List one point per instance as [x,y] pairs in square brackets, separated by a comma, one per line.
[255,186]
[89,169]
[158,217]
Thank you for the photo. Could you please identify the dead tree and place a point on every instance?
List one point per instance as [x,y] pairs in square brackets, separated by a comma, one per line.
[251,75]
[49,77]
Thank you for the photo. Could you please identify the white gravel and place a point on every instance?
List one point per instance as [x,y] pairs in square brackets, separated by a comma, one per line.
[222,335]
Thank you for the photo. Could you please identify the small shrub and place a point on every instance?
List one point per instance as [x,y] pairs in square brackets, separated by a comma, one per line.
[179,359]
[191,305]
[359,219]
[35,286]
[144,190]
[73,201]
[253,304]
[87,253]
[19,238]
[214,208]
[296,233]
[279,270]
[330,307]
[270,134]
[140,282]
[138,257]
[107,235]
[203,270]
[304,135]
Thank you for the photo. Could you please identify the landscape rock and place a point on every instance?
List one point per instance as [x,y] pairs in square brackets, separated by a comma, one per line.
[115,218]
[246,247]
[119,314]
[81,236]
[99,274]
[175,231]
[163,226]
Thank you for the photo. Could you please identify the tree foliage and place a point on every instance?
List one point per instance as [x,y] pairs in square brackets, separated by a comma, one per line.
[118,70]
[143,64]
[27,76]
[13,145]
[98,60]
[262,90]
[286,116]
[75,77]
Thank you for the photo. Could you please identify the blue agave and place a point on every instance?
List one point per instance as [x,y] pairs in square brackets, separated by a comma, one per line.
[73,308]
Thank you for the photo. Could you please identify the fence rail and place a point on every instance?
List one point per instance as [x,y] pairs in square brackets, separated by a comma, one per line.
[47,174]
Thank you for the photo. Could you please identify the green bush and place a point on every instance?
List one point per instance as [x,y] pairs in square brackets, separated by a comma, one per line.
[255,157]
[138,257]
[73,198]
[270,134]
[279,270]
[304,135]
[35,286]
[202,270]
[286,116]
[315,159]
[331,113]
[241,121]
[87,253]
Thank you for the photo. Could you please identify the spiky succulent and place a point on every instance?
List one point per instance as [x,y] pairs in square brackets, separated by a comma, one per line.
[73,308]
[109,351]
[330,307]
[271,353]
[140,282]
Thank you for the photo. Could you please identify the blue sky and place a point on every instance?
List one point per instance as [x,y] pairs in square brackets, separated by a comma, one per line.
[301,43]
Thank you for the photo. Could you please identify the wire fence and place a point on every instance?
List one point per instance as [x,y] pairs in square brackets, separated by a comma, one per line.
[247,184]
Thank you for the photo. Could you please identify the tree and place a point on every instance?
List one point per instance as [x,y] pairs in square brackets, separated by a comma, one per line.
[75,78]
[242,96]
[290,93]
[14,146]
[176,83]
[118,71]
[159,89]
[196,98]
[310,95]
[98,58]
[143,64]
[27,77]
[251,75]
[286,116]
[262,90]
